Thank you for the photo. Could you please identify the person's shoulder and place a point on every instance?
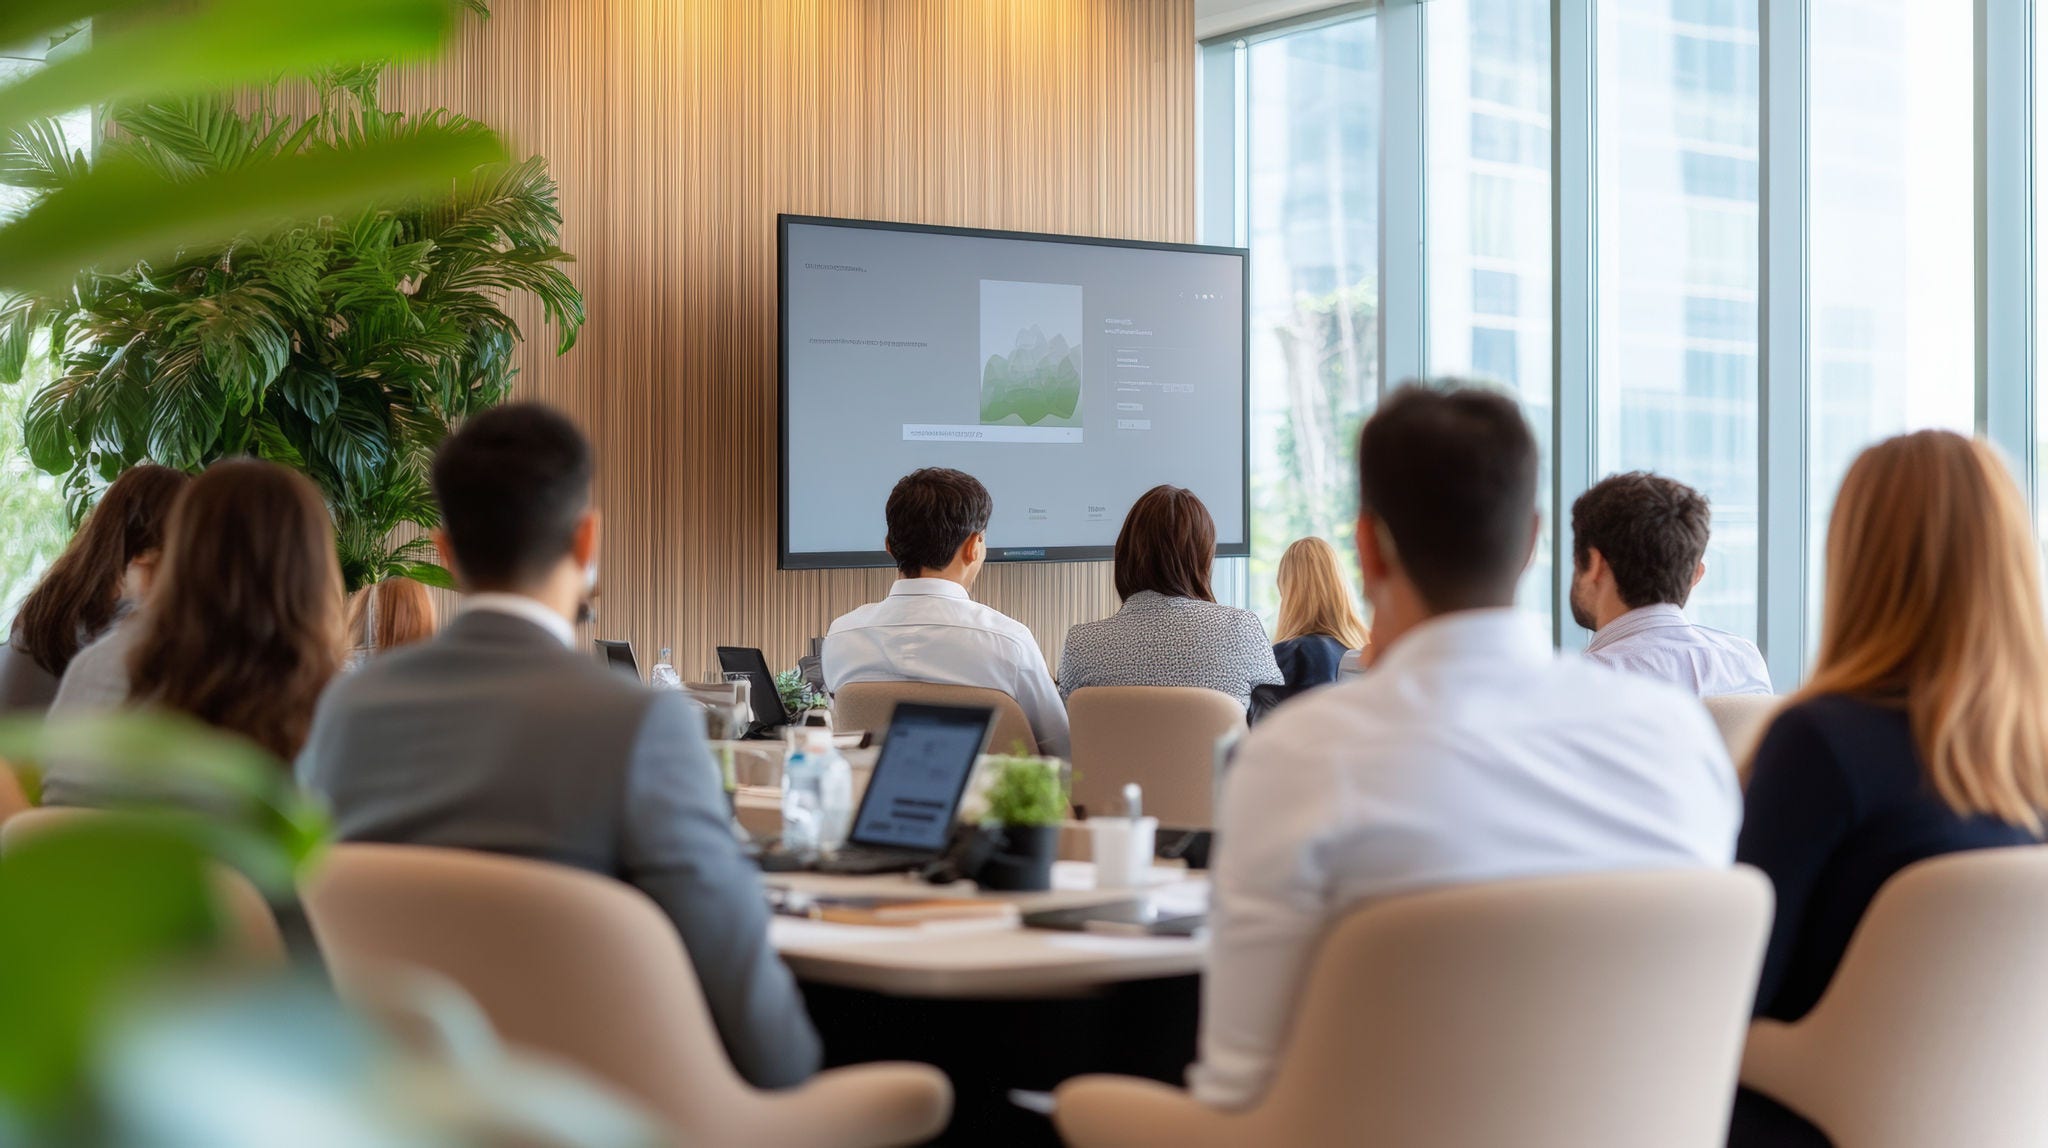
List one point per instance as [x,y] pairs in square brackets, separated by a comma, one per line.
[1626,694]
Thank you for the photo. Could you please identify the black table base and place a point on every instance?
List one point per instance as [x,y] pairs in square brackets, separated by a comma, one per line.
[988,1047]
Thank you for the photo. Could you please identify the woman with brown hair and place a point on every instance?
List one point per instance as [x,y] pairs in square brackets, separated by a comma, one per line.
[106,566]
[1924,728]
[395,612]
[245,627]
[1170,631]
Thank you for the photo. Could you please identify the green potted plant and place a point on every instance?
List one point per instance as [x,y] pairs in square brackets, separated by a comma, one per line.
[343,345]
[798,698]
[1025,803]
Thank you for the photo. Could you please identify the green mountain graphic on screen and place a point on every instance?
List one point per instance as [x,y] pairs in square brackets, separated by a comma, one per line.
[1039,380]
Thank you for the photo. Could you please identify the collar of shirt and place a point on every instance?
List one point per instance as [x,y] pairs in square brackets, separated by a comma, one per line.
[520,606]
[928,588]
[1656,616]
[1495,635]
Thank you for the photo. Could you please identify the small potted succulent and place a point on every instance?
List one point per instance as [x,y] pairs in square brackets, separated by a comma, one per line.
[1026,801]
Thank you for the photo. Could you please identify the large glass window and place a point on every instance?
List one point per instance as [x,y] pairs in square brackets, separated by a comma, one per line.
[1892,235]
[34,525]
[1487,153]
[1312,209]
[1677,145]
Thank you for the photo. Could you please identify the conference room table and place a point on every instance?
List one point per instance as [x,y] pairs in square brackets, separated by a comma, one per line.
[999,1006]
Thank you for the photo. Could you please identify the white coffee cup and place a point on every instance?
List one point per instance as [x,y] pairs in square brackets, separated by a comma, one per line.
[1123,850]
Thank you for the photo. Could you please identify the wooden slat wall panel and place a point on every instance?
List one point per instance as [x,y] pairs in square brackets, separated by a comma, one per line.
[679,128]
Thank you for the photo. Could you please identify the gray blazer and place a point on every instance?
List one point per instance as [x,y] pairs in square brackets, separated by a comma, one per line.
[492,736]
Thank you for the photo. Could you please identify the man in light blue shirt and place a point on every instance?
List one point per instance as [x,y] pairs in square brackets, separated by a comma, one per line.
[1639,542]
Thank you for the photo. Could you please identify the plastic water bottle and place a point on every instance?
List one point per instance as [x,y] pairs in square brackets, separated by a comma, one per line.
[664,676]
[817,795]
[835,811]
[803,799]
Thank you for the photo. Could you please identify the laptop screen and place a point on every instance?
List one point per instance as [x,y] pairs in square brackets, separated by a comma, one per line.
[748,660]
[920,776]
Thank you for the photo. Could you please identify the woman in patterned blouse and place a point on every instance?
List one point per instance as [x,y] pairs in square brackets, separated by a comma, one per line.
[1170,631]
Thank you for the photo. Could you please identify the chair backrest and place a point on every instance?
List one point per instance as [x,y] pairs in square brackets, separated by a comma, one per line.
[1932,1030]
[1597,1011]
[252,939]
[1162,737]
[867,706]
[1742,720]
[563,962]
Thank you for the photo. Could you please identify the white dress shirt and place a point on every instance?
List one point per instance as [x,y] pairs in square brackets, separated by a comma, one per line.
[1470,752]
[1657,641]
[531,609]
[929,630]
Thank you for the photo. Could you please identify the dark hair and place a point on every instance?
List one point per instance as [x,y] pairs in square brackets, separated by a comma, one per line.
[1652,530]
[75,601]
[931,514]
[512,485]
[1167,546]
[1450,472]
[244,628]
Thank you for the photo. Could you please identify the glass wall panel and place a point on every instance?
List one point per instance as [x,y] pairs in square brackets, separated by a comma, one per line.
[1677,145]
[1312,199]
[1891,220]
[1488,212]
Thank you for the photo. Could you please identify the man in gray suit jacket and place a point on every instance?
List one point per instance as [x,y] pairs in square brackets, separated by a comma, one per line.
[496,735]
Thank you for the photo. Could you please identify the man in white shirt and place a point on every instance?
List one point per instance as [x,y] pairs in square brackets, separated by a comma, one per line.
[1639,544]
[928,629]
[1470,751]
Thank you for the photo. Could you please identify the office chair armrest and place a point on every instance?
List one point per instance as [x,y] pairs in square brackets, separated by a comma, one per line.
[865,1106]
[1130,1112]
[1771,1060]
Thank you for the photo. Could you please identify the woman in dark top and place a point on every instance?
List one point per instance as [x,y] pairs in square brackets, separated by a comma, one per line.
[84,589]
[1923,730]
[1318,623]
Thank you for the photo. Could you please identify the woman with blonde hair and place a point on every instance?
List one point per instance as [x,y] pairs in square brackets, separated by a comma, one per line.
[1924,727]
[395,612]
[1318,623]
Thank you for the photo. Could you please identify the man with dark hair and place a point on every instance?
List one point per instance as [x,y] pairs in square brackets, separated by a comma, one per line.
[497,735]
[1471,751]
[928,629]
[1639,546]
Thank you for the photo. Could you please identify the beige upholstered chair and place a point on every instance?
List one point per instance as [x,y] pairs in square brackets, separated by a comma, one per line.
[1162,737]
[253,939]
[1602,1011]
[867,706]
[586,969]
[1742,720]
[1935,1027]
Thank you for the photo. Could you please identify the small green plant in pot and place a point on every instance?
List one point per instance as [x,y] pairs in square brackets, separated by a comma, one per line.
[1026,802]
[797,695]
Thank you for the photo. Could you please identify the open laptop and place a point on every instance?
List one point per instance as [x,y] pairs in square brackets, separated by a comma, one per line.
[906,816]
[769,715]
[619,656]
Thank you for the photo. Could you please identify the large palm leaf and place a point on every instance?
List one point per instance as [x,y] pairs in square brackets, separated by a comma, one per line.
[341,344]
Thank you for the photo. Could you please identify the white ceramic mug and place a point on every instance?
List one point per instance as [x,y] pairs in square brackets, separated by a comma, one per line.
[1123,850]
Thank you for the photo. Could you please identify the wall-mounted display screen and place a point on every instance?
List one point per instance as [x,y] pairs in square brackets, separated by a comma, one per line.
[1069,375]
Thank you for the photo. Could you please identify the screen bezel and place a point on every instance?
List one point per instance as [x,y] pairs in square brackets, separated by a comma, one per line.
[879,559]
[960,715]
